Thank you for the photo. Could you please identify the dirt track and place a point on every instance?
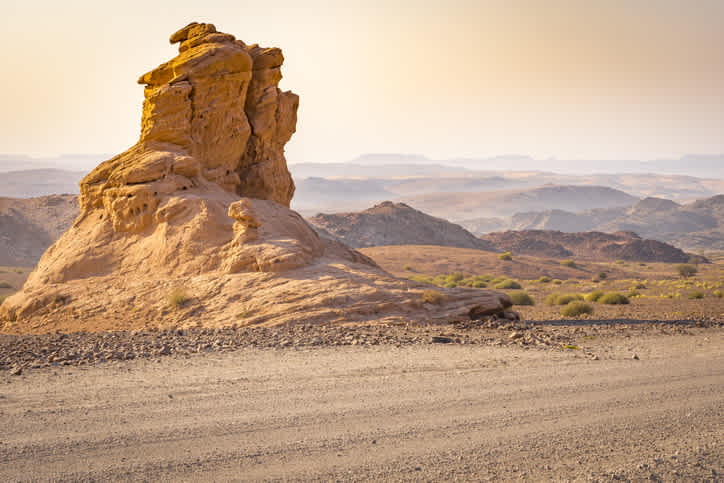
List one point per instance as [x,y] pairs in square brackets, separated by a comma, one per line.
[418,412]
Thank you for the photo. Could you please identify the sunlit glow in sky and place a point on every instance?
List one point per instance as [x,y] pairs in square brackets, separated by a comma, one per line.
[614,79]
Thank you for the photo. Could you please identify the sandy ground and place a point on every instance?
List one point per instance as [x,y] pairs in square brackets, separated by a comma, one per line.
[425,412]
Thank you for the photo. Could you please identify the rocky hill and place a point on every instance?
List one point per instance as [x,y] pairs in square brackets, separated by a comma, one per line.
[697,226]
[29,226]
[391,223]
[586,246]
[191,226]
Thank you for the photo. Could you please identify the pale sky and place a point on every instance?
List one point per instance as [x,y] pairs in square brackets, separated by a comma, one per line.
[628,79]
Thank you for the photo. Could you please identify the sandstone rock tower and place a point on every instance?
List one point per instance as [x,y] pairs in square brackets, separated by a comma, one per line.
[201,204]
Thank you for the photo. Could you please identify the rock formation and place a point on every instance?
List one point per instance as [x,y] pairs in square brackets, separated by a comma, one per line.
[199,208]
[389,223]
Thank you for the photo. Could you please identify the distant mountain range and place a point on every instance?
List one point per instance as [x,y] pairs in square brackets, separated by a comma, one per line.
[697,226]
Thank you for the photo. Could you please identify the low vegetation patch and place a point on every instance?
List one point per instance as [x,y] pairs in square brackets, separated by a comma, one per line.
[4,284]
[562,298]
[557,281]
[569,263]
[633,293]
[576,309]
[432,297]
[718,294]
[408,268]
[594,296]
[602,275]
[686,270]
[178,298]
[544,279]
[507,256]
[696,295]
[613,298]
[507,284]
[521,298]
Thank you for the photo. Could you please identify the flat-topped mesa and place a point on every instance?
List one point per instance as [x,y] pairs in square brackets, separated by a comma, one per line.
[212,114]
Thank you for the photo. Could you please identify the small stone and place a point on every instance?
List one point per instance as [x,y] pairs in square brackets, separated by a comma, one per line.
[438,339]
[516,335]
[16,371]
[635,357]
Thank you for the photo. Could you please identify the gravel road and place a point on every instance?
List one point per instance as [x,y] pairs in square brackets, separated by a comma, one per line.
[418,412]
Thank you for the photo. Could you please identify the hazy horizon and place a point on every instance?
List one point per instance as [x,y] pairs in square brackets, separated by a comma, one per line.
[640,80]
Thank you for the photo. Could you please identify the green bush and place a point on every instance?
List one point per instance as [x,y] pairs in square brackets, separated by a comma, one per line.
[562,298]
[613,298]
[477,284]
[569,263]
[686,270]
[696,295]
[432,297]
[507,256]
[544,279]
[521,298]
[455,277]
[178,298]
[633,293]
[421,279]
[507,284]
[4,284]
[576,309]
[594,296]
[557,281]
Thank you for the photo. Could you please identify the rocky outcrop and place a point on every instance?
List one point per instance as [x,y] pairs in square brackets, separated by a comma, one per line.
[391,223]
[191,225]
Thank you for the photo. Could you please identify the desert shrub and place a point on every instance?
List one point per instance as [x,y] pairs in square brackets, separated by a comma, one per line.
[544,279]
[696,295]
[686,270]
[633,293]
[620,262]
[455,277]
[408,268]
[569,263]
[498,280]
[576,309]
[521,298]
[613,298]
[421,279]
[478,284]
[507,284]
[19,270]
[450,285]
[718,294]
[2,298]
[640,286]
[557,281]
[178,298]
[602,275]
[432,297]
[562,298]
[594,296]
[507,256]
[4,284]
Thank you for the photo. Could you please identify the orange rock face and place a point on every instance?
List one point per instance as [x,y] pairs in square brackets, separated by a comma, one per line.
[212,114]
